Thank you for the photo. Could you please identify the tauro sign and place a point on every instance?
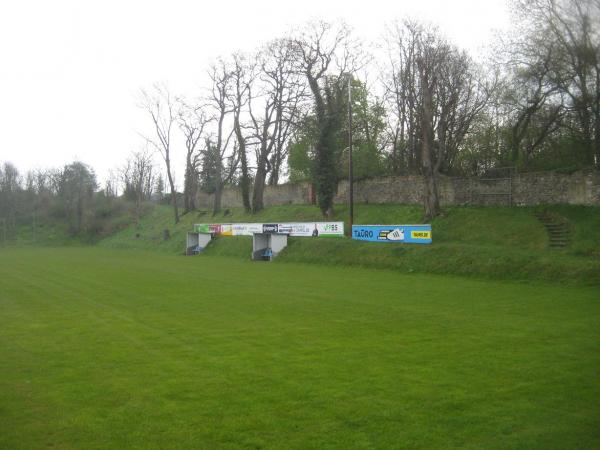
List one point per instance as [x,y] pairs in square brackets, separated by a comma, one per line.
[410,234]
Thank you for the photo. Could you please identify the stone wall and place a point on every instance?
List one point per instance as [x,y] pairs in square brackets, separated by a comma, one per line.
[282,194]
[579,188]
[534,188]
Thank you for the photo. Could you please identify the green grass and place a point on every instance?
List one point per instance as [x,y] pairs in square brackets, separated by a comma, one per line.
[585,226]
[49,232]
[501,226]
[113,349]
[51,228]
[484,242]
[485,262]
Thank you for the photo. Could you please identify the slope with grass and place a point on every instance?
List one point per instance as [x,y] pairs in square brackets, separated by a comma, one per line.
[112,349]
[496,242]
[51,228]
[491,242]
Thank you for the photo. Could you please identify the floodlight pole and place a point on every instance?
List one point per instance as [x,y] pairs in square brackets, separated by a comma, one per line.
[350,168]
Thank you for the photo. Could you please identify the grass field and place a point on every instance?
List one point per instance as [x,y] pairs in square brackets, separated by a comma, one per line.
[473,241]
[103,349]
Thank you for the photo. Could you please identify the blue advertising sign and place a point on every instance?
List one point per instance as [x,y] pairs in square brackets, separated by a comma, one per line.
[404,234]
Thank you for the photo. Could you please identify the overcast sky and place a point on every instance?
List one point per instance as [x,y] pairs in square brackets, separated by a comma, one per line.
[70,70]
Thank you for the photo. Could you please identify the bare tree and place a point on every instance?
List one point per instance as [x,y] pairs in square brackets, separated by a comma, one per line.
[242,75]
[462,94]
[431,51]
[218,145]
[561,37]
[403,104]
[159,104]
[138,177]
[534,110]
[192,121]
[435,93]
[281,90]
[111,185]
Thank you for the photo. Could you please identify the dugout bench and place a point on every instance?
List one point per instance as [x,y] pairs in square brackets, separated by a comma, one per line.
[266,246]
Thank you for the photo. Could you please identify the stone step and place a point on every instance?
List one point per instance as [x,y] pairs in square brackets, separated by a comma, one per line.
[558,231]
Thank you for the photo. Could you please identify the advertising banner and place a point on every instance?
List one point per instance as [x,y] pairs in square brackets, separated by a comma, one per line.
[404,234]
[270,228]
[295,229]
[246,229]
[221,229]
[313,229]
[207,228]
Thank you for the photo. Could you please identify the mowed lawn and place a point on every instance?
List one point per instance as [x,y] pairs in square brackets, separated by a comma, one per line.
[103,349]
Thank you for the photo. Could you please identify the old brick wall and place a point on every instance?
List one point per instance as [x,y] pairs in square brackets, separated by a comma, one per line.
[282,194]
[534,188]
[579,188]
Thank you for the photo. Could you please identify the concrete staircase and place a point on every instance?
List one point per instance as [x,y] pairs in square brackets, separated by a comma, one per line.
[559,232]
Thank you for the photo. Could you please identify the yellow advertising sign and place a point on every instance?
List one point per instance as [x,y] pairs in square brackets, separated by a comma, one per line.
[420,234]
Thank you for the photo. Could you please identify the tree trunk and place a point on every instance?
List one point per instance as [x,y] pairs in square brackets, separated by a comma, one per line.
[188,190]
[275,168]
[259,188]
[431,203]
[261,173]
[245,182]
[218,188]
[173,192]
[217,199]
[597,141]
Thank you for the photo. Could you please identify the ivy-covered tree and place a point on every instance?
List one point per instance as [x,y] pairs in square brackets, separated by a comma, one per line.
[326,55]
[367,126]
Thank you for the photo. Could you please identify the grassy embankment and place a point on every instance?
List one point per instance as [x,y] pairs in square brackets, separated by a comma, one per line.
[499,242]
[107,349]
[508,243]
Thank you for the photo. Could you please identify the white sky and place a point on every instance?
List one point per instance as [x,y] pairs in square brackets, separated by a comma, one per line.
[70,70]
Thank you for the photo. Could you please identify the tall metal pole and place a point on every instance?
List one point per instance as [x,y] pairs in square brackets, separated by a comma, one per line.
[350,168]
